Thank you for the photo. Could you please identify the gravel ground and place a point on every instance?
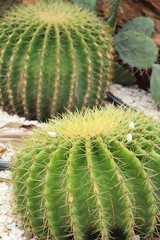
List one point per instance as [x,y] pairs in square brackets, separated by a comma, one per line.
[12,131]
[136,98]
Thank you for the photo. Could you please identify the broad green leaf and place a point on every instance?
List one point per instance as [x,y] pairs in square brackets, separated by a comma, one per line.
[123,76]
[136,49]
[143,25]
[113,11]
[155,83]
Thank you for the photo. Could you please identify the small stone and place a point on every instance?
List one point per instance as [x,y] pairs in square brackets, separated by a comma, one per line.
[3,219]
[2,149]
[17,231]
[15,237]
[5,230]
[9,220]
[136,237]
[5,238]
[34,238]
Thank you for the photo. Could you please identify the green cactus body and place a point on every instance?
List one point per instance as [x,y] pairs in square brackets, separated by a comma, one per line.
[91,175]
[53,56]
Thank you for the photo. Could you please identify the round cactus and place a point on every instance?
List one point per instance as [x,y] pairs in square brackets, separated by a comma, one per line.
[91,175]
[53,56]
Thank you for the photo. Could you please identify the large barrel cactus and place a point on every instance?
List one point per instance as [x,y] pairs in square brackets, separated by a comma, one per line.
[53,56]
[92,175]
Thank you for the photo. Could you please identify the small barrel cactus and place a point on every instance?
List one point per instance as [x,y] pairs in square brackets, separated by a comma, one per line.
[91,175]
[53,56]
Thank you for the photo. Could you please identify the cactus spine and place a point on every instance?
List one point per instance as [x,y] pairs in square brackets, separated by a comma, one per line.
[53,56]
[92,175]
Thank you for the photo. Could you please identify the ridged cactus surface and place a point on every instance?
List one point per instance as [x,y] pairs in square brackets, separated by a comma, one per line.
[53,56]
[92,175]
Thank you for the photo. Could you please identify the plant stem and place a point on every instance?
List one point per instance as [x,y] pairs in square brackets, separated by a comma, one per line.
[113,13]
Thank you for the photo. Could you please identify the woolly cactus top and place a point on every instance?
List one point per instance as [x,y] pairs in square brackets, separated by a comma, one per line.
[94,123]
[53,13]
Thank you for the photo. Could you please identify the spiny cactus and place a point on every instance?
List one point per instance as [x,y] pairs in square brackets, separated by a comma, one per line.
[53,56]
[92,175]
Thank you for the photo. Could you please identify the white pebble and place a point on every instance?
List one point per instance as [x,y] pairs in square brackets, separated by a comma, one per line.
[17,231]
[5,238]
[136,237]
[3,219]
[15,237]
[9,220]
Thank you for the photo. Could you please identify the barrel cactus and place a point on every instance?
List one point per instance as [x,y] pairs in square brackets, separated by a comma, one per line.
[53,56]
[91,175]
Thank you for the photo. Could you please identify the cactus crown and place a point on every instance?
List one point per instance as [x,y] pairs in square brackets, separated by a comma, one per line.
[91,123]
[92,175]
[57,12]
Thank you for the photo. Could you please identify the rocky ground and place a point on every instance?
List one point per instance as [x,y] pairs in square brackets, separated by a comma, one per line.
[137,98]
[12,132]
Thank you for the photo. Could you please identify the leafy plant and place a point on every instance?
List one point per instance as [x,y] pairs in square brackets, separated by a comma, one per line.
[136,48]
[155,84]
[134,44]
[143,25]
[123,76]
[91,175]
[91,5]
[53,56]
[114,5]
